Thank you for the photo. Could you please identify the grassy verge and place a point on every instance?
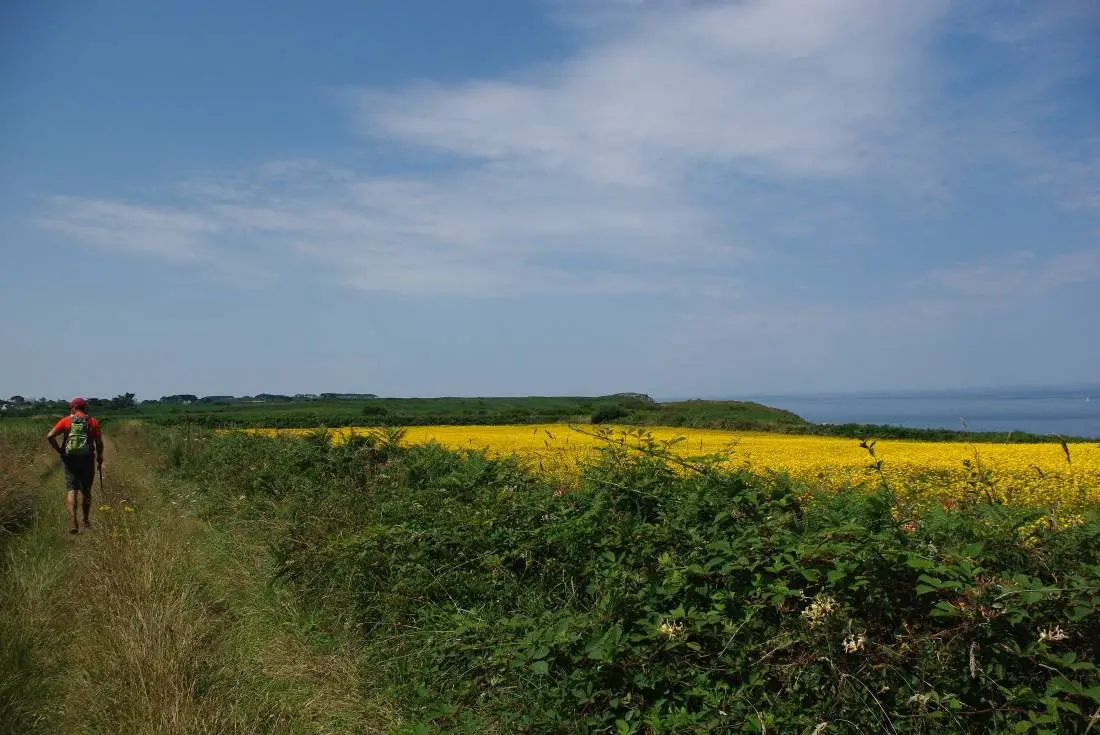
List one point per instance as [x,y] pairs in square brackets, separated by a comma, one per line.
[22,460]
[157,621]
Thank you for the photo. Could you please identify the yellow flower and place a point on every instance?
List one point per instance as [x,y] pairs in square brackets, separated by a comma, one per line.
[923,473]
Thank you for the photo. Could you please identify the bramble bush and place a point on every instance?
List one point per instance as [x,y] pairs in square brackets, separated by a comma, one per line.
[654,595]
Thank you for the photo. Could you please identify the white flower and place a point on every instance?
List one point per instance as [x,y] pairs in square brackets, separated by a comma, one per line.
[855,643]
[819,610]
[672,631]
[1053,634]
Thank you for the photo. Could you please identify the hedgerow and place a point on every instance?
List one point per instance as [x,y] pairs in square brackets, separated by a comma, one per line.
[654,595]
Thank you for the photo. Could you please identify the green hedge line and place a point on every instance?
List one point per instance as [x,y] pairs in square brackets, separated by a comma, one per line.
[655,598]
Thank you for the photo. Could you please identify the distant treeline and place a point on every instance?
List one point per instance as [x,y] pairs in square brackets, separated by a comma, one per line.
[332,410]
[189,398]
[18,405]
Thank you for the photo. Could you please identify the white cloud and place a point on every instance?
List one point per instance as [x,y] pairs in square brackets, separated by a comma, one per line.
[670,152]
[1073,178]
[1022,273]
[811,90]
[167,233]
[466,233]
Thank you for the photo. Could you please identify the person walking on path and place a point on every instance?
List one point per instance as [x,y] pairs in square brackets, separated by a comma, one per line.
[81,450]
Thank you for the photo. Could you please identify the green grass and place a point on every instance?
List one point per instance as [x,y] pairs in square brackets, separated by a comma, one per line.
[158,621]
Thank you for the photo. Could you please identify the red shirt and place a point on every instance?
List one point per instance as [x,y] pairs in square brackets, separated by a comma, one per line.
[66,423]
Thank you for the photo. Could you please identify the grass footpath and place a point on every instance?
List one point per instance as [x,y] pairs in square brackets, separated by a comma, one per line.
[156,621]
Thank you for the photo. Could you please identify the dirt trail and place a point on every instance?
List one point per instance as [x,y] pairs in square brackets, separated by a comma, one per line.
[156,621]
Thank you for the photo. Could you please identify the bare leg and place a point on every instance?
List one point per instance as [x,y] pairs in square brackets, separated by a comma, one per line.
[87,507]
[70,504]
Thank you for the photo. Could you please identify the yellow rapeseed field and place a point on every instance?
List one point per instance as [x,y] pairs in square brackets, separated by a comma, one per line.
[1028,474]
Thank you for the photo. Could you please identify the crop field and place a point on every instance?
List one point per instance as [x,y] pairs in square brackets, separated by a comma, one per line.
[1024,474]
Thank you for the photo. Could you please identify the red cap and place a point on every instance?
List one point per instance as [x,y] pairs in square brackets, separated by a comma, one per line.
[78,403]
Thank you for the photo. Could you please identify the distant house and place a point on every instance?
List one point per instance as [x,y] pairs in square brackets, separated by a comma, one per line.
[305,396]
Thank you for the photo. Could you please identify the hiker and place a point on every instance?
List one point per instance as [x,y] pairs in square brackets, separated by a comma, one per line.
[81,449]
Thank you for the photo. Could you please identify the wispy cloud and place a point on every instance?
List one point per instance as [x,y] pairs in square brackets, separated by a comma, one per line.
[1020,274]
[816,90]
[170,233]
[667,155]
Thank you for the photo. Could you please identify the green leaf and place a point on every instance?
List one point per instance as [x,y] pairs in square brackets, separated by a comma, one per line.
[944,610]
[1061,684]
[932,581]
[596,651]
[972,550]
[541,667]
[919,562]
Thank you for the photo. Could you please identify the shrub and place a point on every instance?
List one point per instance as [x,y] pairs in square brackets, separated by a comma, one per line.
[607,414]
[660,596]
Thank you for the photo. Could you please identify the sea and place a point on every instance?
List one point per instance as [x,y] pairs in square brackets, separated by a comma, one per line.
[1071,411]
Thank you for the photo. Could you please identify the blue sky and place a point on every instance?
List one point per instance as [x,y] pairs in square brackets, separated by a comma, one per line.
[548,197]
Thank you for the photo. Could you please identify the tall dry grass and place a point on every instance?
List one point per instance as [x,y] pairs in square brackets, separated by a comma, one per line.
[157,622]
[22,452]
[26,572]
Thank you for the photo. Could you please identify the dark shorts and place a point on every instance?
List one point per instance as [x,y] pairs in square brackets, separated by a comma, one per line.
[79,474]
